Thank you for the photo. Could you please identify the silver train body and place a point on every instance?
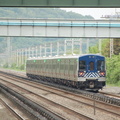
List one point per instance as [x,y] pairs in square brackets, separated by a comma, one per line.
[84,72]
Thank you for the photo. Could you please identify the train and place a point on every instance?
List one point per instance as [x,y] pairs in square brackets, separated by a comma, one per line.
[87,72]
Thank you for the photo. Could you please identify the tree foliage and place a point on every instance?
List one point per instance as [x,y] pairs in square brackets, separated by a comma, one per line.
[40,13]
[113,69]
[116,44]
[105,47]
[113,63]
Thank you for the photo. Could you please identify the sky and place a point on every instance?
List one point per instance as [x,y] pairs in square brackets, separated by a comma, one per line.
[95,12]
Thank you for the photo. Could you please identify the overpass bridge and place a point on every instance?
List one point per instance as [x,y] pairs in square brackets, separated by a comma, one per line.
[60,3]
[59,28]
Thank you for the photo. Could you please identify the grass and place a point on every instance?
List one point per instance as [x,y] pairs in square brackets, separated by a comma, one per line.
[114,85]
[16,69]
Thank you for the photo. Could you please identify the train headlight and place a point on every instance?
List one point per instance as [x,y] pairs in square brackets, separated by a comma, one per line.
[102,74]
[81,73]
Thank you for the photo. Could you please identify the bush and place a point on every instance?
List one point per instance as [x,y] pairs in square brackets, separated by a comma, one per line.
[22,67]
[113,69]
[13,66]
[6,65]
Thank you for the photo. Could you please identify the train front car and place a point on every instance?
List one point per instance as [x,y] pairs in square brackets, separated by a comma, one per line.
[92,72]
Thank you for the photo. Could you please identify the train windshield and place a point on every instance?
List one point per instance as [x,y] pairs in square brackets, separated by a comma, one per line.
[91,64]
[100,65]
[82,65]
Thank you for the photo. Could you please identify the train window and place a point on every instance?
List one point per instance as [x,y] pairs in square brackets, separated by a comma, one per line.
[91,64]
[101,65]
[82,65]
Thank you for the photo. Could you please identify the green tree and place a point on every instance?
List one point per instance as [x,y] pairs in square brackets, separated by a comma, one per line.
[113,69]
[113,63]
[116,44]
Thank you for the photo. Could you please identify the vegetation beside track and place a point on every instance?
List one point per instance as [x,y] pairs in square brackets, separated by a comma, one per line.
[113,63]
[113,70]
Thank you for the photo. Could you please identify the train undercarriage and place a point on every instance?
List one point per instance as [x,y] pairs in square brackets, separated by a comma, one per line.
[90,85]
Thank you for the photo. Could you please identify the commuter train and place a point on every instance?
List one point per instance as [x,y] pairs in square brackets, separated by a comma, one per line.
[83,72]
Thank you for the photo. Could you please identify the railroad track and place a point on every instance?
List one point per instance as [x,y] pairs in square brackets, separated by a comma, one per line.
[74,97]
[65,111]
[17,115]
[99,97]
[110,95]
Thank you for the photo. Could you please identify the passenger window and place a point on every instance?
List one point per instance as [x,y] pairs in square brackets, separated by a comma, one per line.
[82,65]
[100,65]
[91,64]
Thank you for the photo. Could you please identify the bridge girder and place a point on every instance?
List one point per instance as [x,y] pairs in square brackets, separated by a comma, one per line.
[60,28]
[60,3]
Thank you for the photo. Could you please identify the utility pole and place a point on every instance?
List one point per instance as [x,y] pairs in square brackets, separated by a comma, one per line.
[22,56]
[57,48]
[40,51]
[72,46]
[32,51]
[111,48]
[51,49]
[29,52]
[8,51]
[80,52]
[45,49]
[65,47]
[87,45]
[36,51]
[100,46]
[17,58]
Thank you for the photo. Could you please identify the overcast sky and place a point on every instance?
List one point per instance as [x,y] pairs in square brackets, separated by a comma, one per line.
[95,12]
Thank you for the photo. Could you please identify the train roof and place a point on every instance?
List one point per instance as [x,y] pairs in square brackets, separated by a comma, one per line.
[60,57]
